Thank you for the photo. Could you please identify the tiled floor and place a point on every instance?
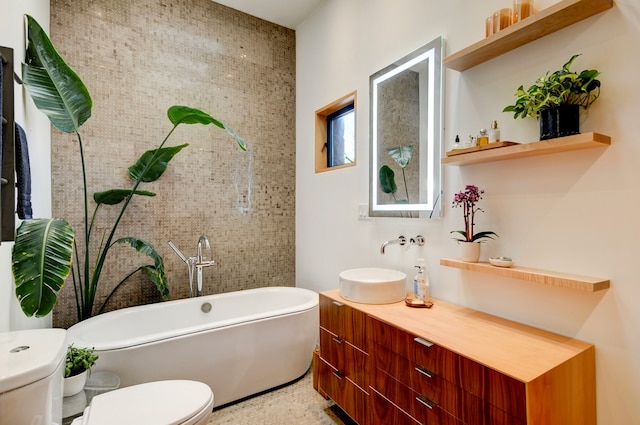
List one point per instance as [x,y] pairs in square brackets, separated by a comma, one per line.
[297,403]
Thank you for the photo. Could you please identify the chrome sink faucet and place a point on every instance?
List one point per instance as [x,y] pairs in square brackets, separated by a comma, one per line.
[196,263]
[400,241]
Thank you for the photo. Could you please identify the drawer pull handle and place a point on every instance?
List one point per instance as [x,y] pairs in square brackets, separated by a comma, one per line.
[337,303]
[423,371]
[337,339]
[425,402]
[337,374]
[423,342]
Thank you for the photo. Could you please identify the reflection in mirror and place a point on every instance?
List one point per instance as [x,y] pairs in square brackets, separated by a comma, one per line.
[406,132]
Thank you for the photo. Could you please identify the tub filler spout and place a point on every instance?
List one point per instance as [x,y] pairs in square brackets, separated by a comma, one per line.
[202,262]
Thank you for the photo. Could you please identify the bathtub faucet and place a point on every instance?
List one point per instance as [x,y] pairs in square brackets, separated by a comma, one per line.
[201,261]
[196,263]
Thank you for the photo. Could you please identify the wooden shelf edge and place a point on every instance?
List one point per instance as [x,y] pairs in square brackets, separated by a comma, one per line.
[564,280]
[542,23]
[523,150]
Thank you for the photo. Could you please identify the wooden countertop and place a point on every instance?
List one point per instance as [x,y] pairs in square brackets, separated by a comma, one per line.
[520,351]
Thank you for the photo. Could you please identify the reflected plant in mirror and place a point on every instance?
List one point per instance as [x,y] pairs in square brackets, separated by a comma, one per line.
[405,134]
[402,156]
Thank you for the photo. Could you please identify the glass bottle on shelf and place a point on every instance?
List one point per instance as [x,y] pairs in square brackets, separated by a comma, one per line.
[494,132]
[483,139]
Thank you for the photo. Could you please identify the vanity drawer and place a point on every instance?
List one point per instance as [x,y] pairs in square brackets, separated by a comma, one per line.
[422,352]
[343,321]
[444,393]
[347,359]
[347,395]
[383,412]
[505,393]
[418,406]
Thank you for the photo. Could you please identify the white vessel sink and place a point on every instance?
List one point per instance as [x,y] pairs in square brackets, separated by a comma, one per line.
[373,285]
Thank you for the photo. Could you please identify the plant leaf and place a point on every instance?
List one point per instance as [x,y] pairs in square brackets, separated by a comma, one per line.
[41,261]
[387,180]
[115,196]
[461,232]
[155,271]
[156,160]
[55,88]
[185,115]
[159,279]
[401,154]
[483,235]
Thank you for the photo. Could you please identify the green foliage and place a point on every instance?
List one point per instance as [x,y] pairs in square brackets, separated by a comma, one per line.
[476,237]
[387,179]
[562,87]
[43,250]
[54,87]
[402,156]
[41,263]
[78,360]
[153,163]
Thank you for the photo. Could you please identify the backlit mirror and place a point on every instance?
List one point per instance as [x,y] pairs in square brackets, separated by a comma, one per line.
[406,133]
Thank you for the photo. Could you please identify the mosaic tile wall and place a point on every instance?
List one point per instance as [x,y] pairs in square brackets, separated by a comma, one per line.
[139,57]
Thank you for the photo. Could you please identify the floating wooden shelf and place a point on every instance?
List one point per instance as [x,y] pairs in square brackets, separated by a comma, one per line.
[544,22]
[571,281]
[562,144]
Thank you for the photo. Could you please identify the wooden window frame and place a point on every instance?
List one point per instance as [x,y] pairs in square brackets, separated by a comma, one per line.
[321,132]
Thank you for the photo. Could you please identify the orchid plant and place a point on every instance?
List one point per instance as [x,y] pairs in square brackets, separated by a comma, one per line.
[468,200]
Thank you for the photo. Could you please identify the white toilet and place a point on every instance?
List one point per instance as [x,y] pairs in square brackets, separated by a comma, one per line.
[31,373]
[153,403]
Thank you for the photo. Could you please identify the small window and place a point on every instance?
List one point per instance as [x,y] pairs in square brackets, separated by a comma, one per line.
[341,141]
[336,134]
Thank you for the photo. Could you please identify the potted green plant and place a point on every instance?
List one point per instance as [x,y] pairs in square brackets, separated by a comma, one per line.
[44,247]
[555,98]
[77,365]
[468,239]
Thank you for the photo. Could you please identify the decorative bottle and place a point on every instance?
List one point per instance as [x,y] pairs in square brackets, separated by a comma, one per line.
[494,132]
[483,139]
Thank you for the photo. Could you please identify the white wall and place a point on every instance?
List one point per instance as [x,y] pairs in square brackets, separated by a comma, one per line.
[37,128]
[570,212]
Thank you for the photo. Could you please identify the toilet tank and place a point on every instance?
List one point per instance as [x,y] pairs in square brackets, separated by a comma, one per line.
[31,373]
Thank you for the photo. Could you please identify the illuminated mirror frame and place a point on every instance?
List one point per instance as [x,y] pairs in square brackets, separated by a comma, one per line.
[427,58]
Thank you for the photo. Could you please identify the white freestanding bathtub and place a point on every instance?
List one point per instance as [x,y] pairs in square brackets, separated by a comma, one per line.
[239,343]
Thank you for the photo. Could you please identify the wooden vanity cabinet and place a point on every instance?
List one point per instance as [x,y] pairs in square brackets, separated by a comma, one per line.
[343,368]
[450,365]
[438,386]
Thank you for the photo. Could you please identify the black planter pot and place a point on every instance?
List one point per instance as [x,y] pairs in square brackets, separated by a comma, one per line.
[561,121]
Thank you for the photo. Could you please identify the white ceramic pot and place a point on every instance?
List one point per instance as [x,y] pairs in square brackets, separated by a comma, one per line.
[469,251]
[74,384]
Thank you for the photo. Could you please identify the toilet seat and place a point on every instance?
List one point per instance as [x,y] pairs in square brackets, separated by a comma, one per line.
[175,402]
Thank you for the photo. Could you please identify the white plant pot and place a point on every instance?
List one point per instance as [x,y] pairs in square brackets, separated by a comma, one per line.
[74,384]
[469,251]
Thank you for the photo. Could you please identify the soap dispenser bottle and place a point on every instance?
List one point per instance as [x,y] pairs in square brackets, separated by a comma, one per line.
[421,282]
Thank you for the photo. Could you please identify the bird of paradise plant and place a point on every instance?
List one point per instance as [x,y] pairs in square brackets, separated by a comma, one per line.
[45,247]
